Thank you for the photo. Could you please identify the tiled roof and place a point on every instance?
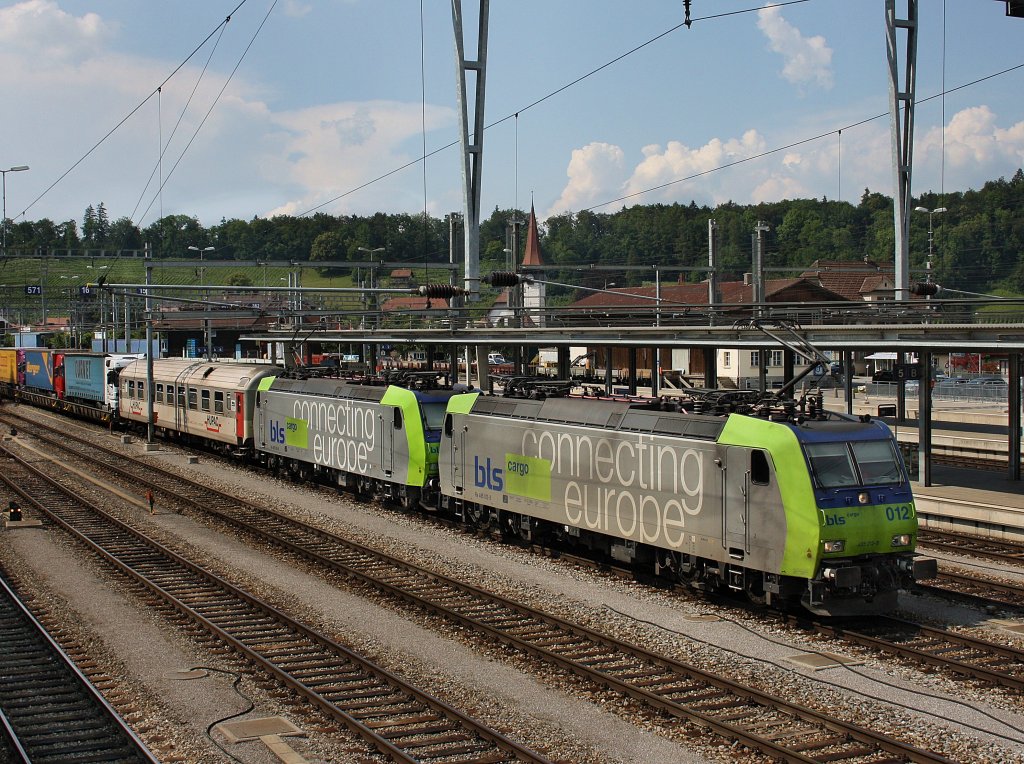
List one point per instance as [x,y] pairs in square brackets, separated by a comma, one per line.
[415,303]
[735,292]
[847,277]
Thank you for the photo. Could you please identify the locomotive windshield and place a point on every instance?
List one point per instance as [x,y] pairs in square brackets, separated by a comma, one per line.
[865,462]
[433,413]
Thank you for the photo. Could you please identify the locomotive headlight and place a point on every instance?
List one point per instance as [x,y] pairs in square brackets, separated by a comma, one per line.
[863,497]
[835,546]
[901,539]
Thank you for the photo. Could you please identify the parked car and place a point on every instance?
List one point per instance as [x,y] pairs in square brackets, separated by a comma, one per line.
[883,375]
[988,381]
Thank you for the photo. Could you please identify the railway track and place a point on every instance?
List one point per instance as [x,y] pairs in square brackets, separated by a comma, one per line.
[976,546]
[391,715]
[769,724]
[49,711]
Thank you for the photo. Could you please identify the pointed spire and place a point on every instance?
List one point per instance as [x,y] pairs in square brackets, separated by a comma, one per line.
[531,255]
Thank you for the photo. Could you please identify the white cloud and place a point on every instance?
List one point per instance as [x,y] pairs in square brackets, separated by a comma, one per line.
[245,159]
[41,29]
[976,149]
[806,60]
[595,172]
[296,9]
[678,161]
[330,149]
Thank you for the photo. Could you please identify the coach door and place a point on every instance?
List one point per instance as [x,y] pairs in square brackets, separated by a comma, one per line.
[239,416]
[454,442]
[736,513]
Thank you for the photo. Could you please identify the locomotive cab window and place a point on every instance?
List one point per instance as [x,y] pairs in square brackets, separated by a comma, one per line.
[877,462]
[760,474]
[831,464]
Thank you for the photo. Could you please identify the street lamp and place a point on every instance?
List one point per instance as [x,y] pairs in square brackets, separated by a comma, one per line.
[202,269]
[3,221]
[931,214]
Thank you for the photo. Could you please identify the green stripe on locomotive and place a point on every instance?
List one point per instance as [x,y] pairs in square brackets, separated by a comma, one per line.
[422,455]
[865,529]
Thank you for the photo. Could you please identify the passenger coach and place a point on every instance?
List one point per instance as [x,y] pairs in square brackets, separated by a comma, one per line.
[196,400]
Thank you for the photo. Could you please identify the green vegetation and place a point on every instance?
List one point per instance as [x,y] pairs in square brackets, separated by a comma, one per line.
[977,244]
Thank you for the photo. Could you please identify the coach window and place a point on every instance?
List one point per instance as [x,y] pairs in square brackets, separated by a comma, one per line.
[760,474]
[181,397]
[131,388]
[141,390]
[158,392]
[218,402]
[193,399]
[205,402]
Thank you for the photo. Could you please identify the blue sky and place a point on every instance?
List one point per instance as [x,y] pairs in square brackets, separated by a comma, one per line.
[330,97]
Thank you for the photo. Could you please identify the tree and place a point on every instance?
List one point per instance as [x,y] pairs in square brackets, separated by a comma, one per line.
[102,224]
[89,225]
[328,247]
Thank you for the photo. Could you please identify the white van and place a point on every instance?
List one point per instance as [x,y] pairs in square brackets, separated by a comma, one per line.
[495,359]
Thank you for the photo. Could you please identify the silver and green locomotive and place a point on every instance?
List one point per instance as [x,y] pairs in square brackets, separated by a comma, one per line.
[376,440]
[815,510]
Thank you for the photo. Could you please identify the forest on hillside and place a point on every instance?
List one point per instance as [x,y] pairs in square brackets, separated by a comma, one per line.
[977,246]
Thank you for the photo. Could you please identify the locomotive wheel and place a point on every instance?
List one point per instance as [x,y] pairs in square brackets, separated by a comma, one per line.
[753,587]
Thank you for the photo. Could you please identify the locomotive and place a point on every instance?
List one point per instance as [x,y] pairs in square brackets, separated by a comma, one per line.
[723,490]
[788,508]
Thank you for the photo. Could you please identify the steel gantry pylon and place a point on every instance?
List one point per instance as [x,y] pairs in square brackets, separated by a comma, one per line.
[901,110]
[472,142]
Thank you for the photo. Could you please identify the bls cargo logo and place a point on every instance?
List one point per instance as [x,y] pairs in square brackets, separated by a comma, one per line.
[518,475]
[294,432]
[487,475]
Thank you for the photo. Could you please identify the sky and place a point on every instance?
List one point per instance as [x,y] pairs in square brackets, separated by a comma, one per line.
[297,106]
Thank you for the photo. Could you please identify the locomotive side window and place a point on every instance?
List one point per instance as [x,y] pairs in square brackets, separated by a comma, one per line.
[759,471]
[397,419]
[205,400]
[218,402]
[448,425]
[877,462]
[831,464]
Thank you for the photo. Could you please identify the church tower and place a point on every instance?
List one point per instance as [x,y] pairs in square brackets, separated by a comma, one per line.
[533,294]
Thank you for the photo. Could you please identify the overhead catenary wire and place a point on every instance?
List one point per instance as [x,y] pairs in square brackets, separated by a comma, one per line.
[131,113]
[216,100]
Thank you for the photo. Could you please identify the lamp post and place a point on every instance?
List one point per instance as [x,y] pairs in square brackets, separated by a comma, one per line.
[202,269]
[3,221]
[931,215]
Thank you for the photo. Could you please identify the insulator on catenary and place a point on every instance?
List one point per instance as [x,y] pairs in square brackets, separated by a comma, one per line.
[506,279]
[925,288]
[438,290]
